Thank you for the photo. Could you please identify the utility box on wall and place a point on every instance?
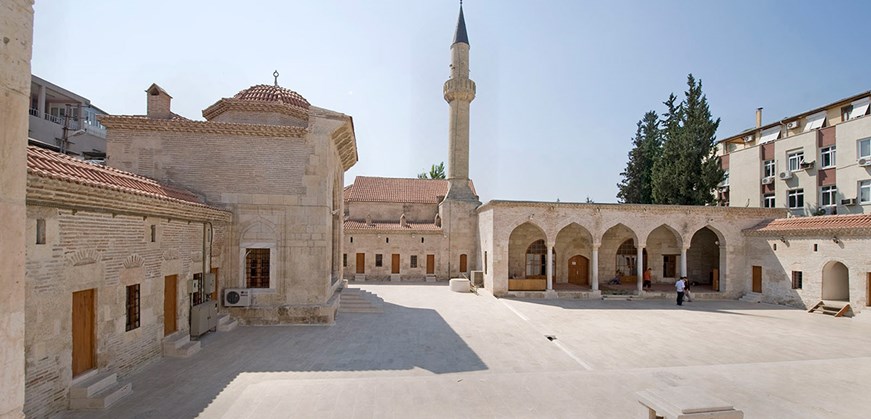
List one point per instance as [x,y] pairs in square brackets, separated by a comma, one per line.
[204,317]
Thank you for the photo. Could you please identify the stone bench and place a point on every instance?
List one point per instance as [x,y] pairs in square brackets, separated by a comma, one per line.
[460,285]
[685,403]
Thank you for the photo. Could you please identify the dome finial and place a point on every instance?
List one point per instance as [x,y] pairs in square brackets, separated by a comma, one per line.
[461,35]
[275,74]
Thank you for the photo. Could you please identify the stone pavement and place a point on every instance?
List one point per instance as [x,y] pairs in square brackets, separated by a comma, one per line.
[435,353]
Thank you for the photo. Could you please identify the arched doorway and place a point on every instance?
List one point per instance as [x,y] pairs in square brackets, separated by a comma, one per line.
[536,260]
[579,270]
[836,282]
[703,259]
[627,259]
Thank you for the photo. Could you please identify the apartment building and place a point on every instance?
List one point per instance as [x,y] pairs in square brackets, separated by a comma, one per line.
[63,121]
[813,163]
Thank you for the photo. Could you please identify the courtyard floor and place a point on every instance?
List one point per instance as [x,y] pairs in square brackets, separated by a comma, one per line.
[436,353]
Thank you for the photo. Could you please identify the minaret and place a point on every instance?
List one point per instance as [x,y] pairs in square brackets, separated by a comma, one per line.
[459,92]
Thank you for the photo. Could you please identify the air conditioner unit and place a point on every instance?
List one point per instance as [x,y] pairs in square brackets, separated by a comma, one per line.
[806,165]
[768,180]
[237,297]
[792,124]
[865,161]
[848,202]
[785,175]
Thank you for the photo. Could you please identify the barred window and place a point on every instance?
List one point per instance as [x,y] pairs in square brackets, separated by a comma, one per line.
[796,280]
[132,307]
[379,261]
[257,268]
[413,261]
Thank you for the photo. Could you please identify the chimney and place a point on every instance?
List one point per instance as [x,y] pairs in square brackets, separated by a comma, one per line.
[758,117]
[158,103]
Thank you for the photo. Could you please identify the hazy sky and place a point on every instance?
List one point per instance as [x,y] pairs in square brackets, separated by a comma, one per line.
[561,84]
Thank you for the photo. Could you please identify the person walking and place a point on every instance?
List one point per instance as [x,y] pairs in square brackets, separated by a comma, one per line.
[647,284]
[680,286]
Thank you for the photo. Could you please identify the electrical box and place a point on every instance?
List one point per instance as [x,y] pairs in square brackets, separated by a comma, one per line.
[204,317]
[210,283]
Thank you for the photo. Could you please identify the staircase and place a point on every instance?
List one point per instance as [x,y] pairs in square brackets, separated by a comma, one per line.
[751,297]
[832,308]
[97,390]
[355,300]
[179,345]
[226,323]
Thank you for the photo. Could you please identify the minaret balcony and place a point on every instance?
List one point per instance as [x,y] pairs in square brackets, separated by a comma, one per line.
[459,89]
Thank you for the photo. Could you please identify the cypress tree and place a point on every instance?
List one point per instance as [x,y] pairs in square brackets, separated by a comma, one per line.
[637,184]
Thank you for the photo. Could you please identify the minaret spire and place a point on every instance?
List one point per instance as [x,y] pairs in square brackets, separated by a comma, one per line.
[461,35]
[459,92]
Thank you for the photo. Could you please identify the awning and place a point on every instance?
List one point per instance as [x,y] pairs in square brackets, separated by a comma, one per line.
[860,107]
[815,121]
[770,134]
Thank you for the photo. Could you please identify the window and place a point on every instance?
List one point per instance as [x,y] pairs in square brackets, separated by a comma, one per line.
[485,262]
[344,260]
[725,181]
[132,307]
[827,157]
[379,261]
[536,259]
[865,191]
[768,168]
[768,201]
[421,239]
[845,112]
[40,231]
[413,261]
[865,148]
[153,233]
[829,196]
[387,240]
[796,280]
[795,198]
[257,268]
[857,108]
[794,160]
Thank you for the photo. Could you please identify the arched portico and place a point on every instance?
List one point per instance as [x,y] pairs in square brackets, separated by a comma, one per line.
[574,246]
[704,258]
[664,246]
[522,265]
[836,282]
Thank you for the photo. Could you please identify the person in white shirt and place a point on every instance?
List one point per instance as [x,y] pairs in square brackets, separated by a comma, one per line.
[680,286]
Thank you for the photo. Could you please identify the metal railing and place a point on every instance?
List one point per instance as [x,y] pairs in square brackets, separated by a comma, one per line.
[94,128]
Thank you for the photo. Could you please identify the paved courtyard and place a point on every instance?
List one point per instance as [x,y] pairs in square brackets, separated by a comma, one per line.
[435,353]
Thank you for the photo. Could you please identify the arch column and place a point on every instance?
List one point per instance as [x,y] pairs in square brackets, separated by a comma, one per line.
[683,260]
[639,265]
[594,275]
[549,267]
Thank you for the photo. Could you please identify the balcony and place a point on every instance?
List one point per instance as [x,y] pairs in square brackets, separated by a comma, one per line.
[94,128]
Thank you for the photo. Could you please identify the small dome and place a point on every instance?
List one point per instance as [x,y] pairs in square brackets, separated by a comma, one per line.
[267,93]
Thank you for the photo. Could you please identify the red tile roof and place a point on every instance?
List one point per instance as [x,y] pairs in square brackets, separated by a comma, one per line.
[361,225]
[48,164]
[267,93]
[402,190]
[830,223]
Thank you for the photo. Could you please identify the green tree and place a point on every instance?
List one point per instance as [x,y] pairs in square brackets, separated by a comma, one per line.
[688,169]
[437,171]
[637,184]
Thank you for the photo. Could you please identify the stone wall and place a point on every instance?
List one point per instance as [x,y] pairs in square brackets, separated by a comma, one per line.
[392,211]
[85,250]
[810,256]
[16,42]
[405,244]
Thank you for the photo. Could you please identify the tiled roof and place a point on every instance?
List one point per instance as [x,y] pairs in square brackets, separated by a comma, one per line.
[402,190]
[48,164]
[803,225]
[267,93]
[392,226]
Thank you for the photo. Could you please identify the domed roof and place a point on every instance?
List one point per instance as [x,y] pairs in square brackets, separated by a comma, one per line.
[267,93]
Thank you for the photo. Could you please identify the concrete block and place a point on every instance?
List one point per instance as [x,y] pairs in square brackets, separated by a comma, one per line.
[460,285]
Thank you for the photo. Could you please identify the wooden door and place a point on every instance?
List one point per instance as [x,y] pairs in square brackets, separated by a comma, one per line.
[170,304]
[84,331]
[361,263]
[464,263]
[430,264]
[579,270]
[715,279]
[757,279]
[394,264]
[215,291]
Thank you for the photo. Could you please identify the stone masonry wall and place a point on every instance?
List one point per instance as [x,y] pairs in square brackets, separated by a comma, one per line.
[88,250]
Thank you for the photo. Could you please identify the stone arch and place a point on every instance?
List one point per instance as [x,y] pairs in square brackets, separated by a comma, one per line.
[663,246]
[574,246]
[521,237]
[611,240]
[706,257]
[836,282]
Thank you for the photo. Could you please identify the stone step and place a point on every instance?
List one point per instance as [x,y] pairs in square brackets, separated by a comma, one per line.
[355,300]
[176,340]
[103,399]
[183,351]
[89,386]
[226,323]
[751,297]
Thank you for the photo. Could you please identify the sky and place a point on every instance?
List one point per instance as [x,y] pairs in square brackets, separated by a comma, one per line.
[560,84]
